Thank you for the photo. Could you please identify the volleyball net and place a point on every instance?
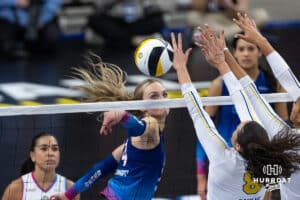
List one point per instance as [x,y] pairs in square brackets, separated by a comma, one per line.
[125,105]
[76,127]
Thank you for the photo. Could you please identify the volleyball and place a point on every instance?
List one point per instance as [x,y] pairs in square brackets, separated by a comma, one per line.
[154,57]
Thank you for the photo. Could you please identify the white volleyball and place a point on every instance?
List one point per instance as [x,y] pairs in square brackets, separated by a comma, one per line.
[154,57]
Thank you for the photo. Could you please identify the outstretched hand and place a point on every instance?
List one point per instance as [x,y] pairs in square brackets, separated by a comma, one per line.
[180,58]
[211,45]
[110,119]
[248,26]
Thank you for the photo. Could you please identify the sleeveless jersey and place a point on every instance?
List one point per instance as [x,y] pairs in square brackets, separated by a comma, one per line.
[138,173]
[227,119]
[33,191]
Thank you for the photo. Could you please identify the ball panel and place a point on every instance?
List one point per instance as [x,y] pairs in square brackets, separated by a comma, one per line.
[159,69]
[154,58]
[170,54]
[139,54]
[166,62]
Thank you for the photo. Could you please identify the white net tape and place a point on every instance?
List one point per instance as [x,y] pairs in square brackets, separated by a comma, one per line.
[125,105]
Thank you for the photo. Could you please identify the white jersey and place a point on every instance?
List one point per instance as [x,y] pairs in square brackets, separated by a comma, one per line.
[284,74]
[290,191]
[268,118]
[273,124]
[227,178]
[33,191]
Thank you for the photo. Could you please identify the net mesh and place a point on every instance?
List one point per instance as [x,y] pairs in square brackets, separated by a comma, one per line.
[81,146]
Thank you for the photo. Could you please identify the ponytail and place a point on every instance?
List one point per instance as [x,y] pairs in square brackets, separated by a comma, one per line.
[281,151]
[104,81]
[27,166]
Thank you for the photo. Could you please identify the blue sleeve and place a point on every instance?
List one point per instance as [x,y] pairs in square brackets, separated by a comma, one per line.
[134,126]
[6,3]
[49,10]
[99,170]
[201,159]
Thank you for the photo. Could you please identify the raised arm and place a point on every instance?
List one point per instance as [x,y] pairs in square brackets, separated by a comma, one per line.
[212,48]
[269,119]
[278,65]
[207,134]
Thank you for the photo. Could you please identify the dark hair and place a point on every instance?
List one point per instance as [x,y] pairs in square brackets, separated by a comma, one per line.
[28,165]
[271,80]
[260,152]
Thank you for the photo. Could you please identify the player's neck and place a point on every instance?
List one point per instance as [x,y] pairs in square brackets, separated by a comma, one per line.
[43,176]
[253,73]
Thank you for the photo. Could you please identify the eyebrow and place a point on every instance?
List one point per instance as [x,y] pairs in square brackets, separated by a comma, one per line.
[46,145]
[157,91]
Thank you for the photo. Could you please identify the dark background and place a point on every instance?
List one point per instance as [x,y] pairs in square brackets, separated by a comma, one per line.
[81,147]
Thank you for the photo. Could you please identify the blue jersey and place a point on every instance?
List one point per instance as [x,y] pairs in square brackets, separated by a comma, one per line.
[138,173]
[227,119]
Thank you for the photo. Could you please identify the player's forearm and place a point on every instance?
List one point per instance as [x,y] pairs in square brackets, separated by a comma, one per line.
[284,74]
[183,76]
[234,66]
[99,170]
[269,119]
[213,144]
[223,68]
[239,98]
[264,45]
[134,126]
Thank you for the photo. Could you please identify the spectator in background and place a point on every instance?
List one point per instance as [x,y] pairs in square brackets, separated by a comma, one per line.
[28,25]
[39,179]
[226,118]
[118,21]
[219,13]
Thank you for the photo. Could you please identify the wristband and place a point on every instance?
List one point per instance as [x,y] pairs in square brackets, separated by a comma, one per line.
[71,193]
[134,126]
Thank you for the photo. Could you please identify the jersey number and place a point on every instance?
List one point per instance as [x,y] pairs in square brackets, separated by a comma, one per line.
[250,187]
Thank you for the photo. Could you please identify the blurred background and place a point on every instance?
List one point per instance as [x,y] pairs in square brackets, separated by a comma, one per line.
[42,40]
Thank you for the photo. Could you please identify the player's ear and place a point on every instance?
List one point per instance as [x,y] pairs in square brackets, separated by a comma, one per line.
[237,147]
[32,156]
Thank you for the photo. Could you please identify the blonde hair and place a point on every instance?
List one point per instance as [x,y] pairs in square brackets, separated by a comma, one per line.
[106,82]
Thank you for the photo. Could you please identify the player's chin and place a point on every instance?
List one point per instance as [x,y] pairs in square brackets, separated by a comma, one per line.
[50,166]
[162,113]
